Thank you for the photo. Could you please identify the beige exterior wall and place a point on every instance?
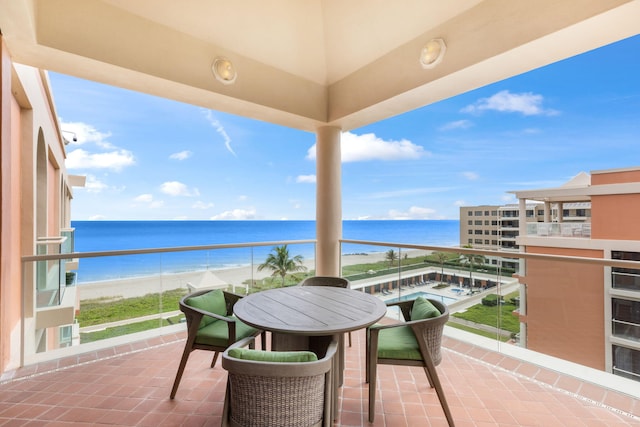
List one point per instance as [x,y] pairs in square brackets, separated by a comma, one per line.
[479,226]
[32,158]
[10,294]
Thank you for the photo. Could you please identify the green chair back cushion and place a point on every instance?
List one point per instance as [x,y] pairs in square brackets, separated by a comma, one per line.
[423,309]
[216,334]
[212,301]
[273,356]
[398,343]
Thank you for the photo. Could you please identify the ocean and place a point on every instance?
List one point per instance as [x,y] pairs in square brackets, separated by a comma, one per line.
[98,236]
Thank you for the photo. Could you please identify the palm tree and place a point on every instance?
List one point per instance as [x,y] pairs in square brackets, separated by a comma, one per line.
[390,256]
[441,257]
[471,260]
[280,263]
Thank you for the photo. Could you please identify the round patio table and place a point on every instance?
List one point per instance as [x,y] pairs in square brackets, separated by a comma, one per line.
[306,317]
[310,310]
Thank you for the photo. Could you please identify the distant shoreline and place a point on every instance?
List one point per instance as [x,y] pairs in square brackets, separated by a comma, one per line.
[135,286]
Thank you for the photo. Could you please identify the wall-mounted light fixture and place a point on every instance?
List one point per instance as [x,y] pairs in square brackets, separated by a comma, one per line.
[65,140]
[432,53]
[224,70]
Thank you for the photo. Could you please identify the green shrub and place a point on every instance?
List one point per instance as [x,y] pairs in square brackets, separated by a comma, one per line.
[491,300]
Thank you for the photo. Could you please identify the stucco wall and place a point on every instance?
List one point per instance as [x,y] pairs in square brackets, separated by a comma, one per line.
[565,311]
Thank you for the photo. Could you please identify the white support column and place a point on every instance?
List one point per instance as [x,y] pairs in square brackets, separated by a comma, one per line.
[547,211]
[328,201]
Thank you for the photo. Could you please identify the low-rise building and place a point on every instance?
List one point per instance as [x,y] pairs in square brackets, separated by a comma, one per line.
[584,312]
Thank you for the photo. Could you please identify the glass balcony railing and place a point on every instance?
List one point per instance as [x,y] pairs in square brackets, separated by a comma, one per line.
[498,299]
[123,294]
[50,273]
[559,229]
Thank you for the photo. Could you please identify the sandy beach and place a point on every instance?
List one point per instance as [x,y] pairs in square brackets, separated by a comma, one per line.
[219,278]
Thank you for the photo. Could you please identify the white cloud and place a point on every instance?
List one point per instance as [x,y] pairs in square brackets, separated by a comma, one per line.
[181,155]
[175,188]
[408,192]
[460,203]
[156,204]
[471,176]
[84,133]
[306,179]
[93,185]
[242,198]
[220,129]
[115,160]
[144,198]
[97,217]
[236,214]
[362,148]
[458,124]
[528,104]
[414,212]
[202,205]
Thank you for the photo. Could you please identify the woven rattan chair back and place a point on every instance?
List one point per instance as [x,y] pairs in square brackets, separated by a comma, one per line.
[278,394]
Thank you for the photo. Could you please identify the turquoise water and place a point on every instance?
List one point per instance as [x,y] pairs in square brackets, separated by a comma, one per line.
[414,295]
[101,236]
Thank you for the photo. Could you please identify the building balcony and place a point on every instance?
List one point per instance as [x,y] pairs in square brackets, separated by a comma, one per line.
[559,229]
[129,385]
[116,369]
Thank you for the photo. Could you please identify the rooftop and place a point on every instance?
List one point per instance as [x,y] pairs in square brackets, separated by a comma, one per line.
[129,385]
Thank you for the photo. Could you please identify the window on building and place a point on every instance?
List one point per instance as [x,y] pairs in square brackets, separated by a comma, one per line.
[625,319]
[486,222]
[529,213]
[470,232]
[494,222]
[625,278]
[486,232]
[469,213]
[470,222]
[478,241]
[540,212]
[486,213]
[581,212]
[478,213]
[494,213]
[478,232]
[626,362]
[470,241]
[494,232]
[565,212]
[66,335]
[486,242]
[494,242]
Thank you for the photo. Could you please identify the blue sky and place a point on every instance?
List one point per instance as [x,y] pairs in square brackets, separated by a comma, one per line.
[150,158]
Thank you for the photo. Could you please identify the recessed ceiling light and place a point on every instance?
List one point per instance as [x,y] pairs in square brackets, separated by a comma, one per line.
[432,53]
[224,70]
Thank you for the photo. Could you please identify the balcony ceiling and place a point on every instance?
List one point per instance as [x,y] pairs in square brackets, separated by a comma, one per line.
[306,64]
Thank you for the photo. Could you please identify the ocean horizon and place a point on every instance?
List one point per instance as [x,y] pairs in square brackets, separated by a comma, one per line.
[103,236]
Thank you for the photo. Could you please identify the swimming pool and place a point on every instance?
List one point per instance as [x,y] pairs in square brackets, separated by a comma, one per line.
[414,295]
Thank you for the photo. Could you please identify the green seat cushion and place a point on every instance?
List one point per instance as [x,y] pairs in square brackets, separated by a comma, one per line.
[398,343]
[212,302]
[423,309]
[217,333]
[273,356]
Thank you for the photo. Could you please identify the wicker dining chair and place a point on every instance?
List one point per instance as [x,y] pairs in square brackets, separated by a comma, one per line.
[332,281]
[211,326]
[416,342]
[267,389]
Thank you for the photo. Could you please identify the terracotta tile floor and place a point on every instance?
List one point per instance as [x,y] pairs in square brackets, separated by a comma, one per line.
[129,386]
